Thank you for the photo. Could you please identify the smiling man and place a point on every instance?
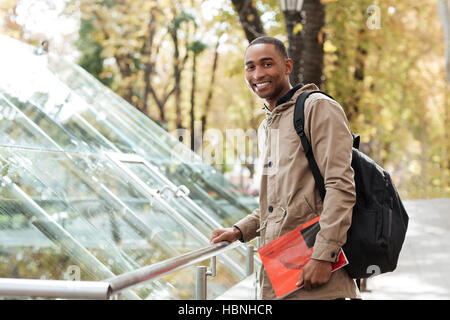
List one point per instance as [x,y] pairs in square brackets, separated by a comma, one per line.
[288,197]
[267,70]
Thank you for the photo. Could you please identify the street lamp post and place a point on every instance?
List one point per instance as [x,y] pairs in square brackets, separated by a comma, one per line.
[291,5]
[291,9]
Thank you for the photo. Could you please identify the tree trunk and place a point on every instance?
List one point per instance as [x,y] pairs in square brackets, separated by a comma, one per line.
[358,75]
[149,64]
[211,88]
[192,112]
[312,57]
[124,64]
[249,18]
[306,46]
[177,78]
[444,11]
[295,47]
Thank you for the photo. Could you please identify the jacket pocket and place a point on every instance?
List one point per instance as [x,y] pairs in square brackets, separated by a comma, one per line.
[308,204]
[302,207]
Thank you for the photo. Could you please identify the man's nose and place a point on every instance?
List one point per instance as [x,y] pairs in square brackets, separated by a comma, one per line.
[259,73]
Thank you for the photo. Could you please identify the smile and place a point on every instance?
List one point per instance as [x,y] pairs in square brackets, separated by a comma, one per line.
[261,85]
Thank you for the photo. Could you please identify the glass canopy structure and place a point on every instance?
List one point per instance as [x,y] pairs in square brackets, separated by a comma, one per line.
[91,186]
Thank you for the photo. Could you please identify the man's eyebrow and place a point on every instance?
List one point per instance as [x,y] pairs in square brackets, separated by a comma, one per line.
[262,60]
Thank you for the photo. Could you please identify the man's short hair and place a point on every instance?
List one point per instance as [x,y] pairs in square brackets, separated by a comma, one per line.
[279,45]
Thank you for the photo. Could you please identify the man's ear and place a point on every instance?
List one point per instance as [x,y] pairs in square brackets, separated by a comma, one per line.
[289,66]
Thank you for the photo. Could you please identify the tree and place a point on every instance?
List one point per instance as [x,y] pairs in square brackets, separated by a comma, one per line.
[179,62]
[390,81]
[91,53]
[150,64]
[196,48]
[306,37]
[249,18]
[134,49]
[209,96]
[8,19]
[444,10]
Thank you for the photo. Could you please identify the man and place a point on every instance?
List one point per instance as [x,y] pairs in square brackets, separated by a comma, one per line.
[288,197]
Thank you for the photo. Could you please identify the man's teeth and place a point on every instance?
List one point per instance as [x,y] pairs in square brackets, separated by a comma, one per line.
[261,84]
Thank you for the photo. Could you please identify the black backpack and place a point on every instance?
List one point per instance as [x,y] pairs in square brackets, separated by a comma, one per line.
[379,220]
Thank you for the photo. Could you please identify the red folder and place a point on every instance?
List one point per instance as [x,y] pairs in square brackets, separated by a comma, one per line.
[284,258]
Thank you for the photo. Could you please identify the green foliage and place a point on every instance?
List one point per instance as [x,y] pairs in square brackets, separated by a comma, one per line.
[393,88]
[197,47]
[182,17]
[91,52]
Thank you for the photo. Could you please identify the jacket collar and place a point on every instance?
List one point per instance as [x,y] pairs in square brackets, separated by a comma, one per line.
[288,95]
[291,95]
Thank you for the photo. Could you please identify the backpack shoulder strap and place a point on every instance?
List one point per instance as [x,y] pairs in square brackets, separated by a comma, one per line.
[299,125]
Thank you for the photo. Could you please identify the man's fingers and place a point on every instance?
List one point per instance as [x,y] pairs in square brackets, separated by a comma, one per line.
[217,239]
[215,235]
[306,280]
[307,284]
[219,235]
[228,234]
[300,280]
[315,274]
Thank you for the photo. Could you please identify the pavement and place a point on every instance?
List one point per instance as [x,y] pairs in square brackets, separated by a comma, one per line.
[423,265]
[423,270]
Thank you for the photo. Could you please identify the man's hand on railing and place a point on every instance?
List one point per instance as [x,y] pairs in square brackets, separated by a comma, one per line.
[227,234]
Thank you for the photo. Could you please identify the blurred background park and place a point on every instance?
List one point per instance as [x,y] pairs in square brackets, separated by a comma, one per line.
[181,64]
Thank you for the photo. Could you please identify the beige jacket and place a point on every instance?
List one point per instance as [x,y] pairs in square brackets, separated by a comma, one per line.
[288,197]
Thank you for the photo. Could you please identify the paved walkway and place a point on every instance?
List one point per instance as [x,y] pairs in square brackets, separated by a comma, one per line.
[423,271]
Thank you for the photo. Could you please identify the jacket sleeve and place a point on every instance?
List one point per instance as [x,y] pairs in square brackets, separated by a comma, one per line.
[331,142]
[249,226]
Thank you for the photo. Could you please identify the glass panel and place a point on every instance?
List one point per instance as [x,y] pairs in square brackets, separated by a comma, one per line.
[38,230]
[178,199]
[51,129]
[177,196]
[104,212]
[64,116]
[17,129]
[79,208]
[54,107]
[149,139]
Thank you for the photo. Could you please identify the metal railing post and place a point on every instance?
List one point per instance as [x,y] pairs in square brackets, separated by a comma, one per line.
[202,279]
[257,275]
[212,267]
[250,260]
[200,288]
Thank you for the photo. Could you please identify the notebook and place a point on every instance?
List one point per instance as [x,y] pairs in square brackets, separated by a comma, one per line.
[284,258]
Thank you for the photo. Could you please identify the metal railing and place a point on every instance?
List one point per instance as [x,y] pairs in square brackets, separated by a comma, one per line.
[108,288]
[35,288]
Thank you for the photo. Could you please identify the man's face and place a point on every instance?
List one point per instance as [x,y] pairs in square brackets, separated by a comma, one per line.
[267,71]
